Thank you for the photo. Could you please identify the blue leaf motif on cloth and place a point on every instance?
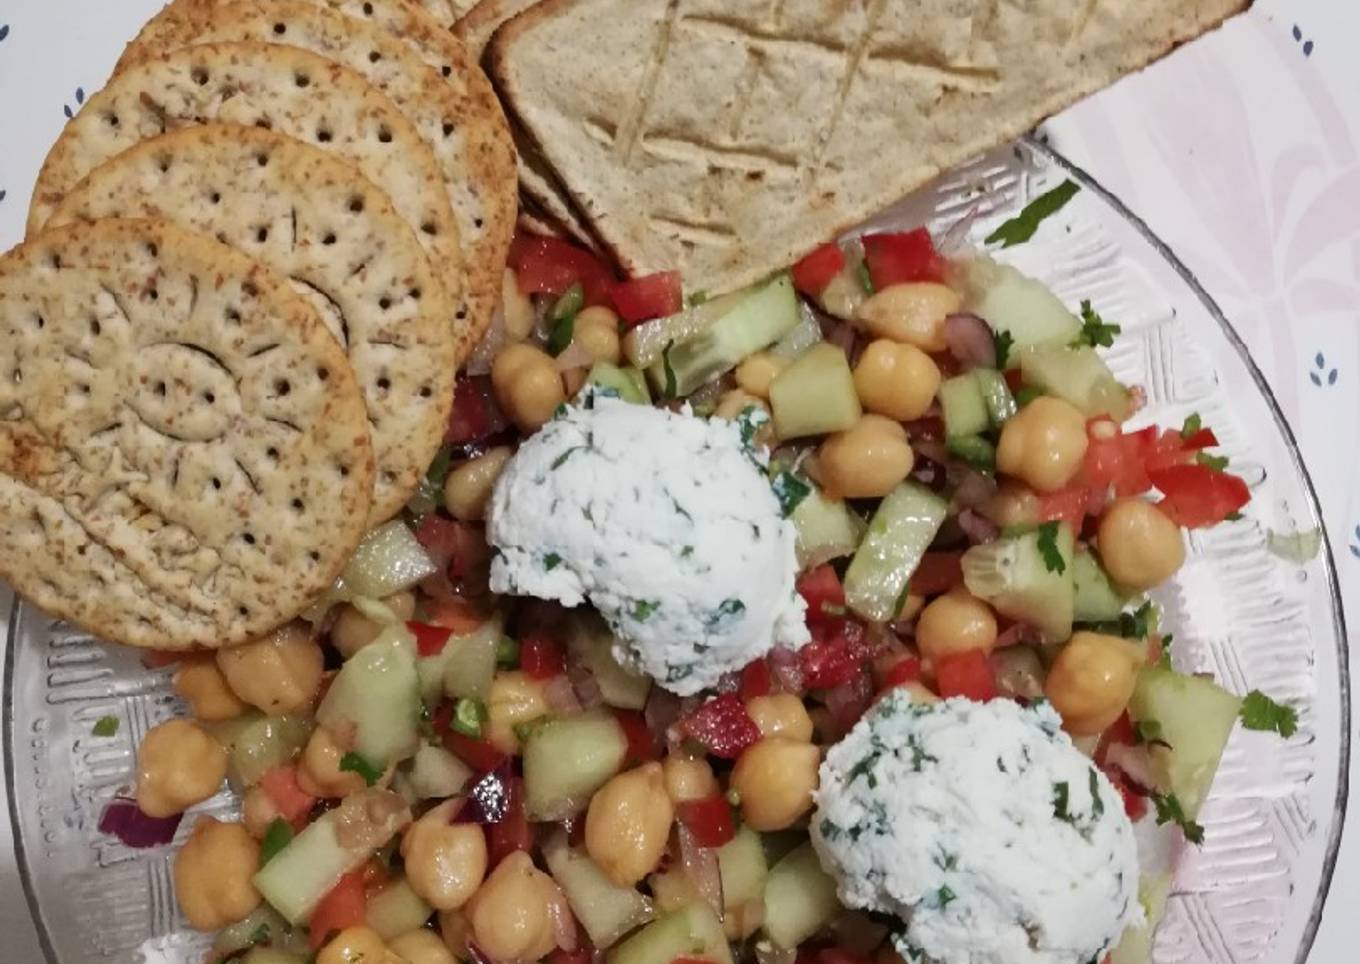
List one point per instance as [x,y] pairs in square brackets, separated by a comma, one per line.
[1355,546]
[4,31]
[80,99]
[1321,373]
[1307,44]
[3,193]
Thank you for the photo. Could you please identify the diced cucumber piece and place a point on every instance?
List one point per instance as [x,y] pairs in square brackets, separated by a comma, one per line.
[1013,575]
[898,535]
[1096,600]
[1196,717]
[264,921]
[765,314]
[800,898]
[692,931]
[845,293]
[328,848]
[644,344]
[396,909]
[471,661]
[567,759]
[964,408]
[996,394]
[377,692]
[256,743]
[827,529]
[1136,945]
[591,641]
[272,955]
[1015,303]
[741,862]
[973,449]
[436,773]
[627,383]
[1077,375]
[815,394]
[387,561]
[606,910]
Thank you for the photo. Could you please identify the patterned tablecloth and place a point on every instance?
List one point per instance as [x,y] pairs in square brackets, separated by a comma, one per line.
[1242,152]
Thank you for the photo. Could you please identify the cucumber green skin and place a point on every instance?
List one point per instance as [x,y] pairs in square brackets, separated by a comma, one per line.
[973,449]
[378,691]
[1196,717]
[628,382]
[741,863]
[963,407]
[827,529]
[692,931]
[606,910]
[901,530]
[1076,375]
[470,662]
[396,909]
[1030,592]
[567,759]
[996,394]
[815,395]
[800,898]
[1096,599]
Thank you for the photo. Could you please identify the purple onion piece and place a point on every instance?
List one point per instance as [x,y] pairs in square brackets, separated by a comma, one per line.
[488,800]
[977,527]
[126,821]
[970,341]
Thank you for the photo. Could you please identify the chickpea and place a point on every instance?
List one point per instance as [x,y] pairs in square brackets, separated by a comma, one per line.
[201,684]
[445,862]
[1091,681]
[280,673]
[775,778]
[867,460]
[896,380]
[688,777]
[628,824]
[1043,444]
[467,490]
[911,313]
[756,372]
[733,403]
[354,945]
[516,307]
[527,386]
[421,946]
[257,811]
[1139,545]
[781,714]
[673,890]
[954,623]
[178,765]
[596,329]
[1012,505]
[319,772]
[353,630]
[511,916]
[213,872]
[514,698]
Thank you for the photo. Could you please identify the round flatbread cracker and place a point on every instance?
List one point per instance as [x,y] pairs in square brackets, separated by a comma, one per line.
[292,91]
[316,220]
[467,125]
[184,452]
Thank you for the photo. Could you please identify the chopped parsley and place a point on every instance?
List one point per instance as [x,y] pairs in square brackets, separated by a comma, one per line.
[750,420]
[944,897]
[260,935]
[507,652]
[1169,810]
[561,460]
[560,336]
[866,280]
[1048,548]
[1192,424]
[672,387]
[276,838]
[1260,712]
[790,490]
[728,609]
[919,757]
[569,304]
[1061,791]
[1216,463]
[468,716]
[643,609]
[353,763]
[551,561]
[1097,804]
[697,297]
[105,726]
[1003,342]
[1021,228]
[1094,331]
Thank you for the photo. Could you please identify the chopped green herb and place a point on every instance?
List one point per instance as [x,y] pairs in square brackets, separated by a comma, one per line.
[750,421]
[1048,548]
[1097,803]
[1094,331]
[671,388]
[526,729]
[276,837]
[1026,394]
[569,304]
[106,726]
[790,490]
[866,280]
[353,763]
[1003,342]
[977,451]
[1233,517]
[1139,624]
[728,609]
[260,935]
[1215,462]
[468,716]
[1169,810]
[644,608]
[507,652]
[551,561]
[697,297]
[1260,712]
[560,336]
[1192,424]
[944,897]
[1021,228]
[1060,802]
[1148,731]
[1295,547]
[686,552]
[561,460]
[560,410]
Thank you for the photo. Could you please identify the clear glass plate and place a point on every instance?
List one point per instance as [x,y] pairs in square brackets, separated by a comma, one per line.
[1253,892]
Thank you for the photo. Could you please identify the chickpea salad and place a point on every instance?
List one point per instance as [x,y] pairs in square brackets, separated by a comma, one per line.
[803,624]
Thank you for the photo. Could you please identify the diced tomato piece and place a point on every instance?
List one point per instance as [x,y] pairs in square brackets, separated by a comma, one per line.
[430,640]
[1198,496]
[452,615]
[902,257]
[1066,505]
[1120,732]
[1164,449]
[342,907]
[542,655]
[709,819]
[825,597]
[478,754]
[475,414]
[652,296]
[756,680]
[1115,460]
[1135,803]
[966,674]
[937,572]
[582,955]
[642,746]
[905,670]
[722,726]
[814,272]
[456,546]
[835,655]
[551,266]
[280,784]
[1202,439]
[514,831]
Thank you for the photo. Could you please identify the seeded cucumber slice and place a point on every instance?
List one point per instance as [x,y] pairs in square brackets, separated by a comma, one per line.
[899,534]
[800,898]
[964,408]
[1077,375]
[376,694]
[827,529]
[1096,598]
[1012,574]
[567,759]
[692,931]
[815,395]
[1020,305]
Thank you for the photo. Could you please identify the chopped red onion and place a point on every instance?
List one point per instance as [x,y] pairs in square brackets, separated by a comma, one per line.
[584,685]
[974,490]
[126,821]
[970,341]
[560,695]
[488,800]
[1135,763]
[1017,633]
[700,867]
[786,670]
[661,713]
[977,528]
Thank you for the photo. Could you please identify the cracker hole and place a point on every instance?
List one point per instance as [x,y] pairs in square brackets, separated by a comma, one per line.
[217,484]
[323,373]
[448,128]
[478,222]
[384,383]
[152,250]
[262,160]
[209,397]
[39,322]
[163,162]
[368,9]
[446,70]
[323,135]
[159,389]
[264,123]
[243,610]
[384,302]
[154,295]
[426,391]
[233,316]
[387,477]
[314,555]
[83,389]
[429,228]
[56,262]
[262,235]
[111,119]
[328,239]
[96,328]
[356,205]
[374,56]
[415,294]
[298,506]
[215,197]
[302,80]
[280,29]
[272,453]
[249,290]
[200,75]
[384,136]
[282,387]
[249,538]
[343,469]
[461,314]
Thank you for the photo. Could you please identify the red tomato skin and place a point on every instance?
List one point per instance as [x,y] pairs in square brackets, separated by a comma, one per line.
[821,589]
[709,820]
[966,674]
[551,266]
[475,415]
[756,680]
[904,257]
[455,616]
[1198,496]
[542,656]
[343,906]
[905,670]
[722,725]
[642,746]
[835,655]
[281,786]
[430,640]
[652,296]
[1066,505]
[515,832]
[815,271]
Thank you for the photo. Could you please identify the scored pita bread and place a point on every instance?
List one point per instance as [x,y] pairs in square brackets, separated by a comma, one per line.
[184,452]
[315,220]
[727,138]
[480,187]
